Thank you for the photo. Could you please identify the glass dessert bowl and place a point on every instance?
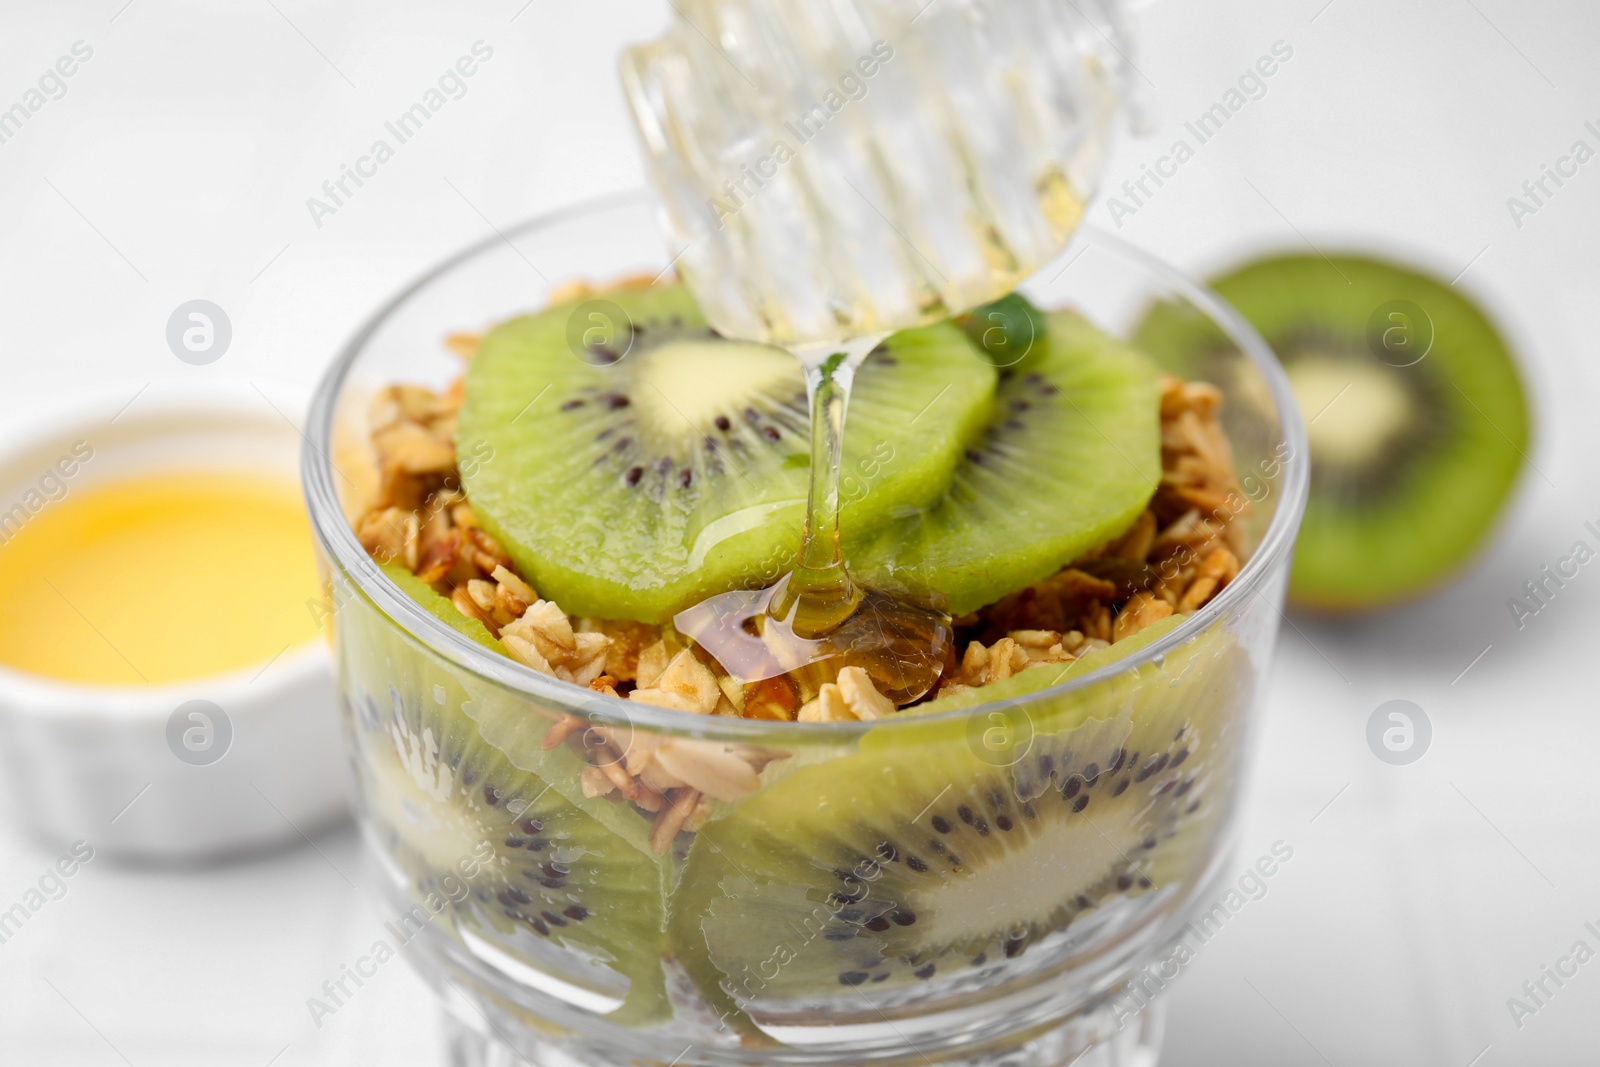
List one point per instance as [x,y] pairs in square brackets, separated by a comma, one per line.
[601,846]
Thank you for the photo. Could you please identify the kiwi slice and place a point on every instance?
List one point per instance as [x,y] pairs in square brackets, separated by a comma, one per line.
[530,876]
[1415,412]
[635,480]
[937,853]
[1069,459]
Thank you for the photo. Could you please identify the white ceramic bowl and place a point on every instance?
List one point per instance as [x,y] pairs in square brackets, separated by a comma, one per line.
[124,768]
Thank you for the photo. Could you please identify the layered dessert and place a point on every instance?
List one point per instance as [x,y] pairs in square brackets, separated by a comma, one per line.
[647,832]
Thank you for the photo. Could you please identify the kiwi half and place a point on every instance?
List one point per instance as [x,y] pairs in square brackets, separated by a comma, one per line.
[944,849]
[636,480]
[1416,416]
[1068,460]
[550,882]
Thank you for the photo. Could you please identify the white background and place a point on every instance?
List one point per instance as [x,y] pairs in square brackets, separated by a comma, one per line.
[177,166]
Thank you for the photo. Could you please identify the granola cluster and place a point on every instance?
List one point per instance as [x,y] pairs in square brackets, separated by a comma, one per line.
[1181,551]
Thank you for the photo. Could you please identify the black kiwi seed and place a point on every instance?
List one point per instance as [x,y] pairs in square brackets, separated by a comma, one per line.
[901,917]
[880,976]
[1081,803]
[1120,788]
[1091,773]
[722,424]
[633,475]
[852,978]
[1182,755]
[916,864]
[925,972]
[888,852]
[965,813]
[531,826]
[1070,790]
[577,913]
[491,795]
[1003,821]
[980,959]
[1014,946]
[552,918]
[940,824]
[1124,882]
[877,924]
[515,842]
[538,925]
[1184,786]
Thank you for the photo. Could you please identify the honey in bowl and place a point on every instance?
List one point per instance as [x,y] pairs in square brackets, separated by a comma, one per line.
[158,579]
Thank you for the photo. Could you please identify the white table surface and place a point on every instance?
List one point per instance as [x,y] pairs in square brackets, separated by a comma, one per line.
[177,166]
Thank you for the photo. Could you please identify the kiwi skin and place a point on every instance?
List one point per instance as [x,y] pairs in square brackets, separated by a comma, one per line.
[1413,514]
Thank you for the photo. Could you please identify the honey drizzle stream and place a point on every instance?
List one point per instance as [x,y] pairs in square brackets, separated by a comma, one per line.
[817,620]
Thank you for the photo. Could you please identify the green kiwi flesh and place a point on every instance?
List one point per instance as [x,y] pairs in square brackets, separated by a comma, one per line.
[1069,459]
[634,481]
[936,853]
[1417,418]
[550,881]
